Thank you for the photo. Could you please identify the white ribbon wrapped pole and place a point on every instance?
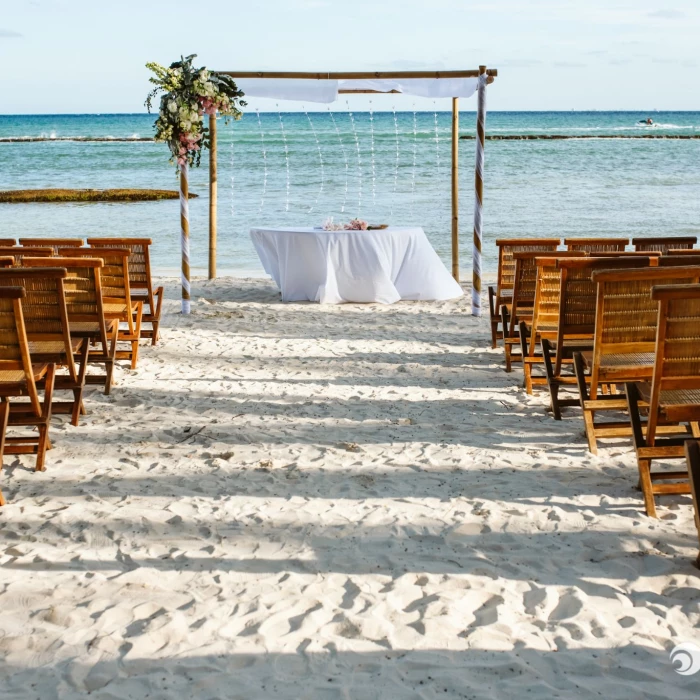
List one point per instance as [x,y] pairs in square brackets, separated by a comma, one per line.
[185,238]
[479,192]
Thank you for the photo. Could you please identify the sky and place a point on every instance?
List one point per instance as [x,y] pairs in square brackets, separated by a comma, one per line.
[83,56]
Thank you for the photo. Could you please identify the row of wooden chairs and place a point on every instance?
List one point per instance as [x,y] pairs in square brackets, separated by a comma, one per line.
[501,294]
[610,315]
[140,275]
[61,308]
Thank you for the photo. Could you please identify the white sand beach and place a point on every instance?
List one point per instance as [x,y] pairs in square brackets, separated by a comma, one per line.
[318,502]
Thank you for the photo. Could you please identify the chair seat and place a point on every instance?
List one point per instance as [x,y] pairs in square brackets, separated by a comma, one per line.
[90,326]
[621,362]
[114,308]
[582,344]
[52,347]
[16,376]
[671,397]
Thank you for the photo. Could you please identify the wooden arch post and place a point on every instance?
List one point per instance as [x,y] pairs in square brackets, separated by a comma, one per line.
[479,191]
[212,196]
[455,188]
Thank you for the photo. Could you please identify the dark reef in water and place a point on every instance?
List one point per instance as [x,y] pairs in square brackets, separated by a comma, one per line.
[33,139]
[60,195]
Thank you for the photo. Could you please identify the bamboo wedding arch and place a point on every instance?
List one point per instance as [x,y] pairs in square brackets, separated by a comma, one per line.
[485,76]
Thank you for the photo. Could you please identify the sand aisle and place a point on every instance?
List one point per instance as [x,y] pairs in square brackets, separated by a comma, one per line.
[295,501]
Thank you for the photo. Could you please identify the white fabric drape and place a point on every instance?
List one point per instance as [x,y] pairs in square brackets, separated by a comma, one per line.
[418,87]
[326,91]
[323,91]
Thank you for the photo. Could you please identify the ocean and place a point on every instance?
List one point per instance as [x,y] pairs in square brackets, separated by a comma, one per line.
[286,169]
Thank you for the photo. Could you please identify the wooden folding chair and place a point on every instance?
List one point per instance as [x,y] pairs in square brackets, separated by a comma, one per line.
[545,309]
[7,242]
[522,302]
[664,243]
[86,317]
[596,245]
[673,397]
[19,378]
[6,261]
[53,243]
[692,455]
[575,318]
[18,253]
[140,279]
[623,344]
[48,330]
[116,295]
[501,295]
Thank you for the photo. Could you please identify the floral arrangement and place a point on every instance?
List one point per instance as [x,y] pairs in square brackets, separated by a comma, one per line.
[190,93]
[353,225]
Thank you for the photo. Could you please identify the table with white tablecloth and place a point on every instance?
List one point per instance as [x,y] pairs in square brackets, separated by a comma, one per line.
[333,267]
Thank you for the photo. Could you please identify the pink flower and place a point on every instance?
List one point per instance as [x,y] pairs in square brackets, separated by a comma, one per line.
[356,225]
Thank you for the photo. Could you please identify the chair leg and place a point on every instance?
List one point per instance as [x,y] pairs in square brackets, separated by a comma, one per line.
[506,346]
[494,318]
[155,324]
[527,367]
[4,415]
[580,373]
[588,415]
[44,442]
[644,465]
[646,485]
[78,406]
[551,380]
[137,333]
[110,360]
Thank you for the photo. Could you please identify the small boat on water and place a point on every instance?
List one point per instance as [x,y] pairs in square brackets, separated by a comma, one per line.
[647,122]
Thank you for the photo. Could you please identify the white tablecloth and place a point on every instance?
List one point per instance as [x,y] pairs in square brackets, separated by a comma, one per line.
[333,267]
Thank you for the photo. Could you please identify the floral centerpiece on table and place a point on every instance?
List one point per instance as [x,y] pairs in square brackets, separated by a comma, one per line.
[189,94]
[353,225]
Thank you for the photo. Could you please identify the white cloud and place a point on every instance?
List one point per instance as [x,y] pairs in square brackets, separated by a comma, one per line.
[9,34]
[667,14]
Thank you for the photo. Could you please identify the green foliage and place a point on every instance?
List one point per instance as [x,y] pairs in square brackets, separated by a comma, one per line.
[188,94]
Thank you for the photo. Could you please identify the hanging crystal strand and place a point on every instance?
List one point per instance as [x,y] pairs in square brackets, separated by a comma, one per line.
[264,155]
[374,173]
[437,140]
[286,156]
[359,162]
[320,159]
[396,166]
[345,158]
[415,150]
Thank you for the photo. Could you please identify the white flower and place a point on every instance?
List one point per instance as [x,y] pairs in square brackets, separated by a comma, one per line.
[172,106]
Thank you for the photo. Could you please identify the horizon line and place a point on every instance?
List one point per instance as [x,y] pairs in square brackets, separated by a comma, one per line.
[389,111]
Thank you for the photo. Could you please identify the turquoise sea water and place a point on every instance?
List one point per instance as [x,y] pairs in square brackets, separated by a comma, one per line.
[382,167]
